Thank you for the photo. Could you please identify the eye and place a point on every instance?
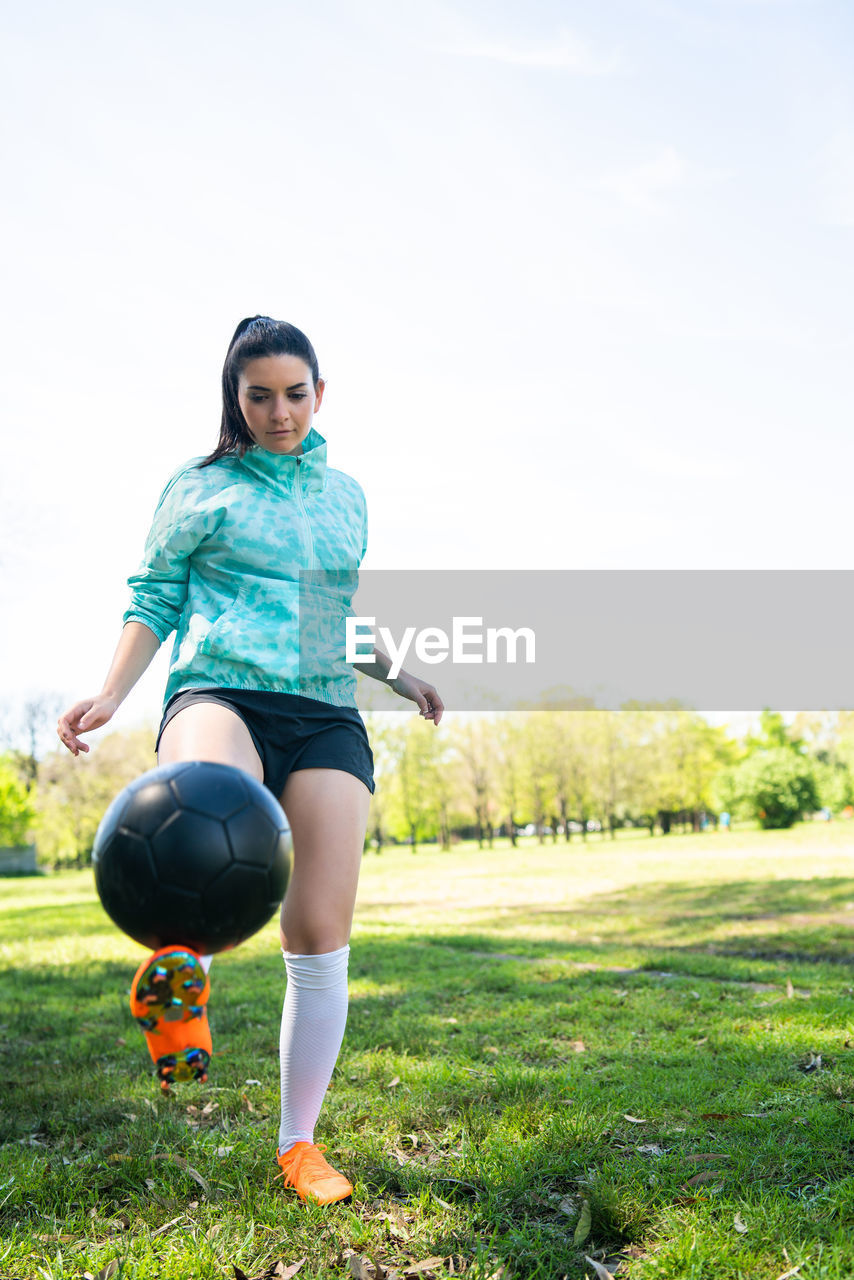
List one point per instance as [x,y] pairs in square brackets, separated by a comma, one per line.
[256,397]
[298,395]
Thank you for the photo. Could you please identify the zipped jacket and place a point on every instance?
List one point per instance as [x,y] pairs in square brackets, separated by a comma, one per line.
[253,562]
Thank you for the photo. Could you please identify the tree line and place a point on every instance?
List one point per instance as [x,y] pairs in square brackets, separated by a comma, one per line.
[557,775]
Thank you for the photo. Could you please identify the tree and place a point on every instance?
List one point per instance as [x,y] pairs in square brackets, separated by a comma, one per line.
[16,808]
[26,729]
[567,740]
[507,748]
[537,773]
[412,807]
[776,786]
[473,743]
[73,793]
[608,767]
[380,735]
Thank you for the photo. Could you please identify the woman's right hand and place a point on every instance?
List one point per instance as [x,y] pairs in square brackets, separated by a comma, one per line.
[84,716]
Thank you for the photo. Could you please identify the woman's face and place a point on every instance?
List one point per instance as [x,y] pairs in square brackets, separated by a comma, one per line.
[278,400]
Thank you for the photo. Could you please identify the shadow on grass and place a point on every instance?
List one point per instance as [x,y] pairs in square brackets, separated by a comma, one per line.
[804,921]
[54,920]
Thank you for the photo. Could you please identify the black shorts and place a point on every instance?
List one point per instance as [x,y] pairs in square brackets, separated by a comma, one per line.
[290,732]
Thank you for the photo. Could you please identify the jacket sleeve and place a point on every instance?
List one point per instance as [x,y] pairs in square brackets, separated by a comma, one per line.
[159,586]
[364,533]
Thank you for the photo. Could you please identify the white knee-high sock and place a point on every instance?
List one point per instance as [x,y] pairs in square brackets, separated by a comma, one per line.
[206,962]
[313,1021]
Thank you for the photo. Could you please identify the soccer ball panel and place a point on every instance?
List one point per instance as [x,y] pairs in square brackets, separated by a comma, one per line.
[253,837]
[241,898]
[190,850]
[213,789]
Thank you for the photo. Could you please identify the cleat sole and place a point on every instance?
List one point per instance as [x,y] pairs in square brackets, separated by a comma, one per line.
[167,1002]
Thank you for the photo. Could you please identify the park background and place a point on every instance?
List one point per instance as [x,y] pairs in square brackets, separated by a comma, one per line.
[579,279]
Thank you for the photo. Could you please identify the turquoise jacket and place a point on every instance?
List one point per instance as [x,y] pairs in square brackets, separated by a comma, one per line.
[253,561]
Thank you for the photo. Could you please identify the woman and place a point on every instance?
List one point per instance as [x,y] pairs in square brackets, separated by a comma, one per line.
[252,558]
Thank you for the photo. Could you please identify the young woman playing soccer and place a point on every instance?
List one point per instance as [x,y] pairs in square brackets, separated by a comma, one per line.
[251,547]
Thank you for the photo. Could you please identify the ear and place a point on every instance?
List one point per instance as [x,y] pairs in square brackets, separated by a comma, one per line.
[318,395]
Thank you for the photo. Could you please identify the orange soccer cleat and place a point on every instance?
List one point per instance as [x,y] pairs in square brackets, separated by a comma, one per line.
[167,998]
[304,1169]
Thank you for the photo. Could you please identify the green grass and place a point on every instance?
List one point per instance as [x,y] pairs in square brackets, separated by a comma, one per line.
[510,1012]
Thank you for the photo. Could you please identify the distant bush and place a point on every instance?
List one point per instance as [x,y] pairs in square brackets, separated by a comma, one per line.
[16,810]
[777,787]
[74,791]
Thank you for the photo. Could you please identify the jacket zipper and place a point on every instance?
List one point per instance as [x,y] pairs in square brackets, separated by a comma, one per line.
[305,516]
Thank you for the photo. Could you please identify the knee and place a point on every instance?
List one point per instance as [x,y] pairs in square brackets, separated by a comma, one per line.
[318,940]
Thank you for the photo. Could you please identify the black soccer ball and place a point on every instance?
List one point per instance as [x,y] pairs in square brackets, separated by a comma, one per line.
[193,853]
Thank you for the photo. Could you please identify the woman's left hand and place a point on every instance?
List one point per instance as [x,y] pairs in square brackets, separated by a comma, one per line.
[430,704]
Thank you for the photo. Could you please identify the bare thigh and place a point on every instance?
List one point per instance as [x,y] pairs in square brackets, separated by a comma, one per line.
[328,814]
[210,731]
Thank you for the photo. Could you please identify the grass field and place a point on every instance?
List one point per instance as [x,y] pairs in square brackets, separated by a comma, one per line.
[632,1055]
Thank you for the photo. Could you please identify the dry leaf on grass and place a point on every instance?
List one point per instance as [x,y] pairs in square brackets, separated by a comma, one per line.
[792,1272]
[651,1149]
[708,1155]
[392,1084]
[109,1270]
[187,1167]
[426,1264]
[358,1267]
[633,1119]
[582,1227]
[287,1272]
[790,990]
[602,1273]
[276,1271]
[166,1226]
[739,1224]
[708,1175]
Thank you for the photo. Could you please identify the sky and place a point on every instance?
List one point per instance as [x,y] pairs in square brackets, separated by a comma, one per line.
[578,277]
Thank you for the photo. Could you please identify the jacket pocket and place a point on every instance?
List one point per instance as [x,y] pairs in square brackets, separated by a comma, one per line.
[260,630]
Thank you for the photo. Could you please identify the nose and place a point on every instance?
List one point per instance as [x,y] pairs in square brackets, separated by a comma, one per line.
[280,409]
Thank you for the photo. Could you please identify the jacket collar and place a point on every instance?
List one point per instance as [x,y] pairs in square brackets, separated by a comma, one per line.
[283,470]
